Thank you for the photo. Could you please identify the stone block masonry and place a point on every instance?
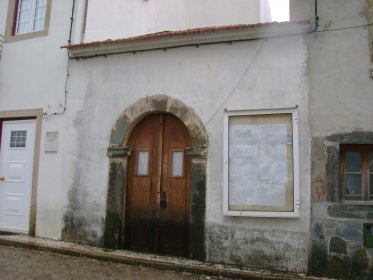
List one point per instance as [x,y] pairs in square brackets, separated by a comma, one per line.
[337,238]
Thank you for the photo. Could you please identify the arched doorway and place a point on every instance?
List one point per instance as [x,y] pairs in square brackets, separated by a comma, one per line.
[120,153]
[157,194]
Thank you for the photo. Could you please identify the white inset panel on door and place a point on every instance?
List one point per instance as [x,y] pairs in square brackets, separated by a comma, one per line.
[16,171]
[13,204]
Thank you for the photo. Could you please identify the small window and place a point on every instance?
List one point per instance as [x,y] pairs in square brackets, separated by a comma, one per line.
[357,172]
[177,165]
[143,163]
[30,16]
[27,19]
[18,139]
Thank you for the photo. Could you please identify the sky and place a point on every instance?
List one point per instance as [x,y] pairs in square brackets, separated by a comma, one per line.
[279,10]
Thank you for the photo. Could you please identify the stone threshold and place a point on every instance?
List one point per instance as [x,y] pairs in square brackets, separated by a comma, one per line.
[150,260]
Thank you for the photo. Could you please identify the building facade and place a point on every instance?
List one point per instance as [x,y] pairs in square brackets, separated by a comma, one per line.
[339,120]
[118,129]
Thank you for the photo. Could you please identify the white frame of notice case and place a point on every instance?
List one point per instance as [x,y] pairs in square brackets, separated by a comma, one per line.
[294,185]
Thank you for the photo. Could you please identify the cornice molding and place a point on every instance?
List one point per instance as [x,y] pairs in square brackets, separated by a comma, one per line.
[166,40]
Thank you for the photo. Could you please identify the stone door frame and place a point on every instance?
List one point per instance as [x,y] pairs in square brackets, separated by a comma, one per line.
[118,153]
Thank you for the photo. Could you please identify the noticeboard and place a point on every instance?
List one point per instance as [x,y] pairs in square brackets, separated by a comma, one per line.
[261,163]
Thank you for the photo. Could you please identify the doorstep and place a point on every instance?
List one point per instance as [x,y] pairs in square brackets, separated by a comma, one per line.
[151,260]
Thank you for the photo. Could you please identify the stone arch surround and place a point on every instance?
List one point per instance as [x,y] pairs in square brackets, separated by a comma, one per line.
[118,153]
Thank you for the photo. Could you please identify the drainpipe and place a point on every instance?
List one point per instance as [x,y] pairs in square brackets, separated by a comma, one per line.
[316,18]
[84,21]
[71,23]
[1,45]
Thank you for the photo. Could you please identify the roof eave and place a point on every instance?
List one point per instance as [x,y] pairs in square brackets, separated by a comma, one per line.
[146,44]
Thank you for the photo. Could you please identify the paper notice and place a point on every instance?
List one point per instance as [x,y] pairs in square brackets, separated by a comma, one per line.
[244,134]
[273,134]
[243,151]
[271,195]
[242,195]
[258,167]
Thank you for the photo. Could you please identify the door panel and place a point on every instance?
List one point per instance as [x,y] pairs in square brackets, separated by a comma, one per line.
[16,165]
[157,203]
[141,191]
[174,218]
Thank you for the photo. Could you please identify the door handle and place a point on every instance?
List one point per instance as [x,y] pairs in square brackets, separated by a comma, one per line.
[163,200]
[2,178]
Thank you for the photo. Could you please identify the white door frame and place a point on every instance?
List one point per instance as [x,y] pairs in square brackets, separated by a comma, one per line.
[35,114]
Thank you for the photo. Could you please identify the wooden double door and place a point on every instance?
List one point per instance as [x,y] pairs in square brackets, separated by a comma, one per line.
[157,194]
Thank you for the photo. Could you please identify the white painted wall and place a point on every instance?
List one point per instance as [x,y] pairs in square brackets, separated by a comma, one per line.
[3,15]
[340,102]
[249,75]
[130,18]
[32,75]
[341,89]
[264,73]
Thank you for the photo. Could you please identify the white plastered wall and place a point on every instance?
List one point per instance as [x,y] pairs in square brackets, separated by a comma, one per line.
[249,75]
[32,75]
[132,18]
[259,74]
[341,86]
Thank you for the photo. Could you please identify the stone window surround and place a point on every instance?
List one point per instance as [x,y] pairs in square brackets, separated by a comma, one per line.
[333,171]
[10,37]
[362,149]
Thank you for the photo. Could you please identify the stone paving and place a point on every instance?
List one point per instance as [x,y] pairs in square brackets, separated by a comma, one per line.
[21,263]
[26,257]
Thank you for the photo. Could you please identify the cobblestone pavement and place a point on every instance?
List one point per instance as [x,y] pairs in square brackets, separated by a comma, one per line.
[20,263]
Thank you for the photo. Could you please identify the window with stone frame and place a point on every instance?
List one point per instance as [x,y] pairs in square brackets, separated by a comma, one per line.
[357,172]
[30,16]
[27,19]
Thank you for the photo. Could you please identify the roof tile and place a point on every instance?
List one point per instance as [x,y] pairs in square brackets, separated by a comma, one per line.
[165,34]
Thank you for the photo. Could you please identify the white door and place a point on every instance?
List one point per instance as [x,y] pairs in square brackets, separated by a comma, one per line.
[16,167]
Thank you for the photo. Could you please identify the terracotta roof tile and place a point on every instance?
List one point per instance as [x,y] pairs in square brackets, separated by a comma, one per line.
[165,34]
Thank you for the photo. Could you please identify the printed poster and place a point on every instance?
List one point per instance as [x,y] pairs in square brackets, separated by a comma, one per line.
[258,165]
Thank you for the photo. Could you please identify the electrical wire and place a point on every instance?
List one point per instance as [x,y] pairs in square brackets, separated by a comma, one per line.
[234,88]
[46,115]
[259,50]
[346,28]
[317,18]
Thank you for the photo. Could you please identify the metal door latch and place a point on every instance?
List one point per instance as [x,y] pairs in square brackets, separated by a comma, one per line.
[2,178]
[163,200]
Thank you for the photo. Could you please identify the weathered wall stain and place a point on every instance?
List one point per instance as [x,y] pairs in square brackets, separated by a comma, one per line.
[113,234]
[197,209]
[255,248]
[369,13]
[84,214]
[321,192]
